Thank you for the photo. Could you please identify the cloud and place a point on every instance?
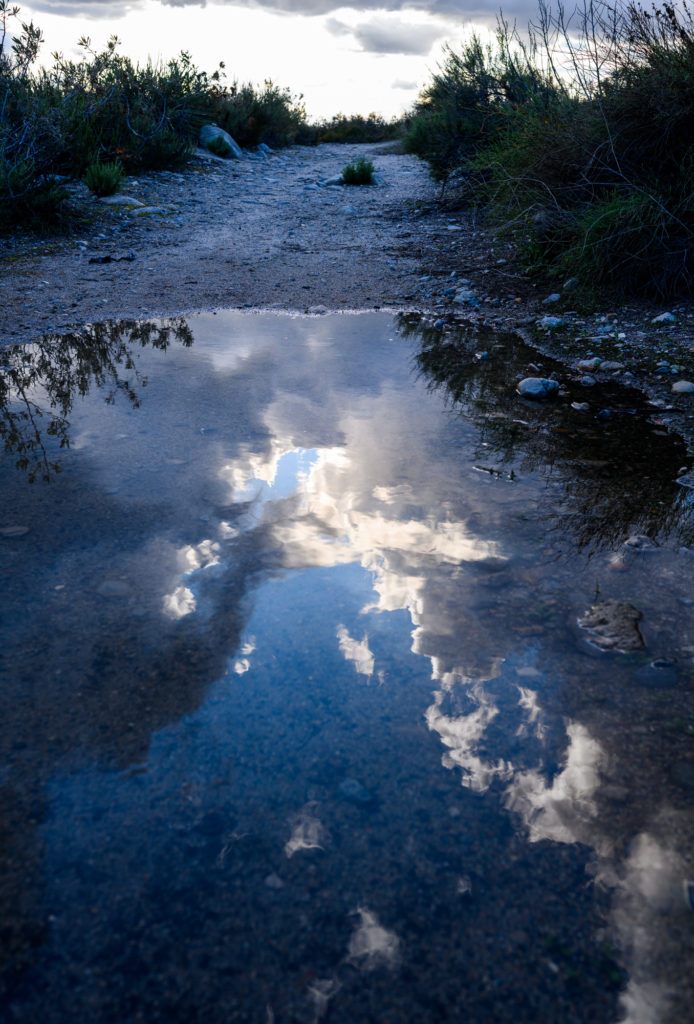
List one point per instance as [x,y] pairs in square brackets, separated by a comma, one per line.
[387,35]
[522,10]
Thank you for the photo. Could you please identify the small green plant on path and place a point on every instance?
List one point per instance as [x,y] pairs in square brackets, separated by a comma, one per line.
[104,179]
[358,172]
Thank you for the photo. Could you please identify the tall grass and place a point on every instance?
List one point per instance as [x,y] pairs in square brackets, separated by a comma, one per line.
[577,137]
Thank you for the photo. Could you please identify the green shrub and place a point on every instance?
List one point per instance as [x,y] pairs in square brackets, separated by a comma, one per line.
[252,115]
[576,140]
[358,172]
[104,179]
[356,128]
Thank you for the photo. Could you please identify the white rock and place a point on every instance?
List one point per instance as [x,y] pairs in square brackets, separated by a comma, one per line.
[551,321]
[589,364]
[664,318]
[208,132]
[683,387]
[120,200]
[538,387]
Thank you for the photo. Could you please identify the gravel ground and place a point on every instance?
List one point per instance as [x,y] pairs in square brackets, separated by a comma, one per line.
[268,232]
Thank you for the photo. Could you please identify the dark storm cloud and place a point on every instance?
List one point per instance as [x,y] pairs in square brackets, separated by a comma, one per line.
[520,10]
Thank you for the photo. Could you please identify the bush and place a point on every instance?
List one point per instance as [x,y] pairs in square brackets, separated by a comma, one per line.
[250,115]
[356,128]
[577,140]
[104,179]
[358,172]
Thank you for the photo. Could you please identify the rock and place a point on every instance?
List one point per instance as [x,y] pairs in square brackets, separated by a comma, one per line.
[337,180]
[580,406]
[604,415]
[664,318]
[639,542]
[352,790]
[317,310]
[683,387]
[613,626]
[150,211]
[120,200]
[126,258]
[554,297]
[13,531]
[587,381]
[660,674]
[538,388]
[263,148]
[551,321]
[466,297]
[209,132]
[611,365]
[589,364]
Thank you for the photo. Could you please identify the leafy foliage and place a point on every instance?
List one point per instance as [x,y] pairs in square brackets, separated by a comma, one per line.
[358,172]
[577,139]
[104,179]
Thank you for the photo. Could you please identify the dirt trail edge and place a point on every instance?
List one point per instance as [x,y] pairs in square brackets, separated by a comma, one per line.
[274,230]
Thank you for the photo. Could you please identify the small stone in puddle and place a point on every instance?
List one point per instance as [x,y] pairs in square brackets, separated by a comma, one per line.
[639,542]
[613,626]
[353,790]
[660,674]
[538,387]
[13,531]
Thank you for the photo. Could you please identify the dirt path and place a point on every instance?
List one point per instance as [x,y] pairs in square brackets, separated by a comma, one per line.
[258,232]
[271,231]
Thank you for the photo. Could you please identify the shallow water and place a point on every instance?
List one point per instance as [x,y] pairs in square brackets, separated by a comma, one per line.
[297,721]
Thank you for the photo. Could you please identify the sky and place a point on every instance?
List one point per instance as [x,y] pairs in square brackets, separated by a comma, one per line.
[372,57]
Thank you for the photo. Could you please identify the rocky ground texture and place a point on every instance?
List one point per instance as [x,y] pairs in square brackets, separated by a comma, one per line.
[273,230]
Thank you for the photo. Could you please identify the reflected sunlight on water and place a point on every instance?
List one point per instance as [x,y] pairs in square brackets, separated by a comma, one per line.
[297,716]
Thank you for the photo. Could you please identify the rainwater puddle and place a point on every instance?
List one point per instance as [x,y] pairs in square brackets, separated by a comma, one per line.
[298,721]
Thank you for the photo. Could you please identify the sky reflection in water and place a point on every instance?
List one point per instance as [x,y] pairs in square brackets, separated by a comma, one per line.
[297,721]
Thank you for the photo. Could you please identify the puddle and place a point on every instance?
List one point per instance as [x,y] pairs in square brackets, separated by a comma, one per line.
[298,721]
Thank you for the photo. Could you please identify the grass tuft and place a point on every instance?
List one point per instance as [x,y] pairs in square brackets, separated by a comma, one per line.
[104,179]
[359,172]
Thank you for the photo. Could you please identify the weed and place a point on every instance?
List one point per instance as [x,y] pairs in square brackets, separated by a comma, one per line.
[358,172]
[104,179]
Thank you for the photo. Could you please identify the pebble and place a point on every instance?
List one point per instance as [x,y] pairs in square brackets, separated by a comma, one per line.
[551,321]
[664,318]
[589,364]
[587,381]
[580,406]
[683,387]
[554,297]
[13,531]
[538,387]
[612,365]
[466,297]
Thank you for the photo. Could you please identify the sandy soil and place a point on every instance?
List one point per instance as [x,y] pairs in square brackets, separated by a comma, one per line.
[269,232]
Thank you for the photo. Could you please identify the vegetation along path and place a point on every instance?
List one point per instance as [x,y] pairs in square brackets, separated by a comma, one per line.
[274,230]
